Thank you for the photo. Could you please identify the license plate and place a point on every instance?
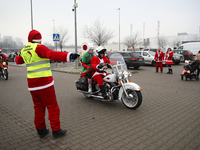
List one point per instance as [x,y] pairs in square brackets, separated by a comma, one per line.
[140,59]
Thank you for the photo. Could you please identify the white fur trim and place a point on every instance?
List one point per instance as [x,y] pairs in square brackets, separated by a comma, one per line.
[41,87]
[68,57]
[36,41]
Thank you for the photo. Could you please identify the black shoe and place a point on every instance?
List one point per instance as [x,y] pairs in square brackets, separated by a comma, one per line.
[58,133]
[105,97]
[42,132]
[161,71]
[156,71]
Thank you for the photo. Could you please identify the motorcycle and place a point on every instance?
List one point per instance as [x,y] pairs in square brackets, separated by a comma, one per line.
[4,70]
[117,85]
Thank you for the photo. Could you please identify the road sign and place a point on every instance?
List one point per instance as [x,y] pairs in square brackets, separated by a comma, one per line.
[56,37]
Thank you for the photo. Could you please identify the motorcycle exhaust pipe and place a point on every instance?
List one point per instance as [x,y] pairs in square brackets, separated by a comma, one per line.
[95,96]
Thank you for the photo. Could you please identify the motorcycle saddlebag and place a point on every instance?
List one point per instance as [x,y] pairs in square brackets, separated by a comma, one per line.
[82,84]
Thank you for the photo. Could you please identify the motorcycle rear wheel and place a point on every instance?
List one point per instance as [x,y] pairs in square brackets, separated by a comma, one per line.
[135,101]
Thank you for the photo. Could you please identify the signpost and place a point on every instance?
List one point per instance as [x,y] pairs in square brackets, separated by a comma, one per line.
[56,37]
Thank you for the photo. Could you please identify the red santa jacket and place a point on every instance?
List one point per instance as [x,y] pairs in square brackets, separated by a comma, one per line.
[2,56]
[43,52]
[168,58]
[159,56]
[95,62]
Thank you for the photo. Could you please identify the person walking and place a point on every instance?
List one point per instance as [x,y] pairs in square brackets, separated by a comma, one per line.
[168,60]
[40,82]
[159,57]
[197,58]
[87,69]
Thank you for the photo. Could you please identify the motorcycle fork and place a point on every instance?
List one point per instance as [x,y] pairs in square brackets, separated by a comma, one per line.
[124,90]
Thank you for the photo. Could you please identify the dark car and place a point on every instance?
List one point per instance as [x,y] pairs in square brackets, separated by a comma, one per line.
[187,54]
[132,59]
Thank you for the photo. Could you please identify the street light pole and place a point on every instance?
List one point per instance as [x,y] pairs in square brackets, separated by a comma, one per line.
[75,5]
[119,28]
[31,16]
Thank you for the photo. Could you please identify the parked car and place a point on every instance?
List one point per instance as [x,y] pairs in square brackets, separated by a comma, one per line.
[177,58]
[107,52]
[194,47]
[148,57]
[188,55]
[132,59]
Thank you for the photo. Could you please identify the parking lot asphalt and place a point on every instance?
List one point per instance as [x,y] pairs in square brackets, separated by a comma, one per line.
[168,118]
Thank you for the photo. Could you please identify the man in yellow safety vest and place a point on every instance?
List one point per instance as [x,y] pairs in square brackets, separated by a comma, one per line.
[40,82]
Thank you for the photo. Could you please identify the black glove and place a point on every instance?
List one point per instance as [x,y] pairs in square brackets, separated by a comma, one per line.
[100,66]
[74,56]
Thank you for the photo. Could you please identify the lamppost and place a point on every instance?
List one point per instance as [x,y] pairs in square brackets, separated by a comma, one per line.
[31,16]
[74,9]
[119,28]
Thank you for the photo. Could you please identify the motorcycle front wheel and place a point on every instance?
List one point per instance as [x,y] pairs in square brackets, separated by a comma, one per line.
[134,101]
[5,74]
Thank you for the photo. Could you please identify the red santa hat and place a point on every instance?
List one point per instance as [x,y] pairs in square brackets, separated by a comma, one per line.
[34,36]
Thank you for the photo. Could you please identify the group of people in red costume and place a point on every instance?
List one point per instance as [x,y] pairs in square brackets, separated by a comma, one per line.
[160,57]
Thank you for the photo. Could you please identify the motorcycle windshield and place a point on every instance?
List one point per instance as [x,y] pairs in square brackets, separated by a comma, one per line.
[119,66]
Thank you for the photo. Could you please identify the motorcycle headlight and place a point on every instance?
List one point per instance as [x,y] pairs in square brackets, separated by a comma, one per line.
[126,74]
[4,63]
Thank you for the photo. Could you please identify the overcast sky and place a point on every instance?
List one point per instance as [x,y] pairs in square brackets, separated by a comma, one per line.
[175,16]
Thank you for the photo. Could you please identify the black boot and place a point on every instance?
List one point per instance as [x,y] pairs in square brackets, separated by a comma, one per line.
[171,72]
[156,71]
[42,132]
[161,71]
[102,90]
[168,71]
[59,133]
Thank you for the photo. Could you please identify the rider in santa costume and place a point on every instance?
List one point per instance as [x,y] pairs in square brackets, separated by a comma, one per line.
[97,63]
[159,57]
[168,60]
[40,82]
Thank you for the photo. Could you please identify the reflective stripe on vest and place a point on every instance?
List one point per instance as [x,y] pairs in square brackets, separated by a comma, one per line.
[36,66]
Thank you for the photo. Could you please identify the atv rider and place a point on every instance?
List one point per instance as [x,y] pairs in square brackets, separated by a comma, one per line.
[97,63]
[87,69]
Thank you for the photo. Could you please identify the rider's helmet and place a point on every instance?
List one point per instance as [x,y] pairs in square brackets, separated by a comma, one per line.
[100,50]
[91,46]
[34,36]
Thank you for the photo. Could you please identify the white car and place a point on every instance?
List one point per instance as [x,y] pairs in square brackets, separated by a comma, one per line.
[148,57]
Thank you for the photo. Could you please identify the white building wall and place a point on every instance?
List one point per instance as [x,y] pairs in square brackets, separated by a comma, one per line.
[171,39]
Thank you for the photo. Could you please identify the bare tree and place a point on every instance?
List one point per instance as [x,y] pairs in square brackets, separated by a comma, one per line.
[195,38]
[63,36]
[98,33]
[132,40]
[176,43]
[161,41]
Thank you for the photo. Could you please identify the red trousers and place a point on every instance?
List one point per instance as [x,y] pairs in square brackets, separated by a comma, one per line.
[42,99]
[99,79]
[159,64]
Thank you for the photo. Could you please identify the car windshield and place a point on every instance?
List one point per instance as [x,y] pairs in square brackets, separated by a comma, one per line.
[135,55]
[152,53]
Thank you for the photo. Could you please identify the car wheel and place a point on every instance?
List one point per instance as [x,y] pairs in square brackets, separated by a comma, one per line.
[137,67]
[127,65]
[153,63]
